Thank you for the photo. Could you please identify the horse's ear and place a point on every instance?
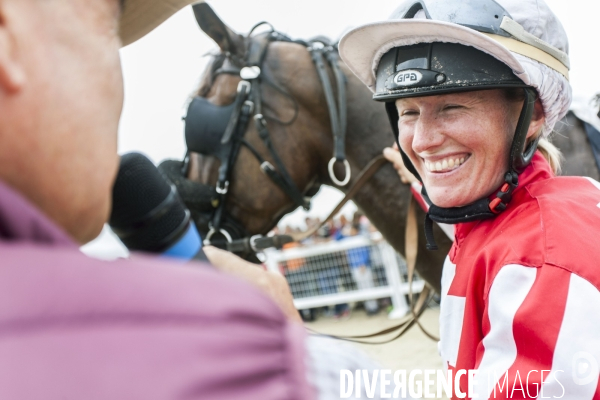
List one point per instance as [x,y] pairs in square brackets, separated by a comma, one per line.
[211,24]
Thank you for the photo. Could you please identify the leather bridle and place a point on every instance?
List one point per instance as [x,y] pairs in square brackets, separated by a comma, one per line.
[246,108]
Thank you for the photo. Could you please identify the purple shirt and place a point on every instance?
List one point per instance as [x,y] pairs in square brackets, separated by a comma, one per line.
[72,327]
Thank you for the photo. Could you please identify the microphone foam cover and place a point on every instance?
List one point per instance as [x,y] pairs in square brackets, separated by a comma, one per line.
[140,216]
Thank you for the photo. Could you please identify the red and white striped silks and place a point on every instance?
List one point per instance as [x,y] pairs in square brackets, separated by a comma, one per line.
[520,293]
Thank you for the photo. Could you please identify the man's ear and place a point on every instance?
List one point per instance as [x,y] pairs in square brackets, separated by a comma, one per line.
[537,119]
[12,73]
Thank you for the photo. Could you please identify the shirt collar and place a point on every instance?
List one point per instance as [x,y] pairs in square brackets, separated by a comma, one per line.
[23,222]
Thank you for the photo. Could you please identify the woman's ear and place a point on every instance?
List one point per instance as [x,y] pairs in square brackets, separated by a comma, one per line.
[537,119]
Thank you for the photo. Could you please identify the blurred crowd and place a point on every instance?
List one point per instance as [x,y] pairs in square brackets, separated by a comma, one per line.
[339,228]
[357,268]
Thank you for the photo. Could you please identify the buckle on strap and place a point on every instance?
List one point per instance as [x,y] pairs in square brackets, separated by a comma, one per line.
[249,73]
[266,166]
[222,189]
[249,107]
[244,86]
[253,245]
[214,231]
[504,195]
[334,178]
[259,118]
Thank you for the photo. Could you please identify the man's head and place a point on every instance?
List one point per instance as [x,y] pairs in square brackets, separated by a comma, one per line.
[61,95]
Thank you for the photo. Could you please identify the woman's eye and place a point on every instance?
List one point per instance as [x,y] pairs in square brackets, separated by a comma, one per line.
[452,106]
[407,113]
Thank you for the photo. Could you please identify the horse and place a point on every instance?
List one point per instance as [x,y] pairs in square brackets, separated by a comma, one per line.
[298,118]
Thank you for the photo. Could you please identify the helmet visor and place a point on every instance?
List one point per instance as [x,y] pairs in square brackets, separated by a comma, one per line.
[480,15]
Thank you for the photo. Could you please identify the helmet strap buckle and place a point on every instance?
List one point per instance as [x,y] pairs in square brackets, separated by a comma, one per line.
[504,195]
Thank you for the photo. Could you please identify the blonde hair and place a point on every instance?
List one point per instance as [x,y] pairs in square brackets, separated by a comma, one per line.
[551,153]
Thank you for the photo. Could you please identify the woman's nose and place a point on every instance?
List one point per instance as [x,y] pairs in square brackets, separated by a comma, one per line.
[427,134]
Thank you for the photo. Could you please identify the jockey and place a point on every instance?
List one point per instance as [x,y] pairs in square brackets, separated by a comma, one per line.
[472,90]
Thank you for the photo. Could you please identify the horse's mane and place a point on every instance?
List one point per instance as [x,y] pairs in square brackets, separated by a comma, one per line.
[217,59]
[208,77]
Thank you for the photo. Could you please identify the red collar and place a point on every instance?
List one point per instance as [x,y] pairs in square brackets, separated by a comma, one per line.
[537,170]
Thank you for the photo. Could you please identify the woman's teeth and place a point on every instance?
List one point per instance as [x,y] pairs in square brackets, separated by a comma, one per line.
[445,165]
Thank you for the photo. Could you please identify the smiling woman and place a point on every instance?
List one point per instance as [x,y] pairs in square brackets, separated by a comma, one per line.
[459,143]
[472,93]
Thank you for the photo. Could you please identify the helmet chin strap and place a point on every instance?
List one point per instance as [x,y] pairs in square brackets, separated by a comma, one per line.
[482,208]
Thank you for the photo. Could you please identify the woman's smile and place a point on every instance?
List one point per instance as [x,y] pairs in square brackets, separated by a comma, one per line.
[445,164]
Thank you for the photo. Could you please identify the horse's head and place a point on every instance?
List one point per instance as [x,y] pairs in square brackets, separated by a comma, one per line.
[295,112]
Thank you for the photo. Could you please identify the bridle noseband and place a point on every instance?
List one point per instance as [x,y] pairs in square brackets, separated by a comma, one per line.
[206,123]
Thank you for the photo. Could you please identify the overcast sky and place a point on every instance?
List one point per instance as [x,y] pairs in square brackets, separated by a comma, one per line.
[162,69]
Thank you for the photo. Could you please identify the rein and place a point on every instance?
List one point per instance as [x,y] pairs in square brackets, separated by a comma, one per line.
[364,176]
[261,242]
[411,249]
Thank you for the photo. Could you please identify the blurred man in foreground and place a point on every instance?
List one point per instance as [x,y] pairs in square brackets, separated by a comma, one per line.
[73,327]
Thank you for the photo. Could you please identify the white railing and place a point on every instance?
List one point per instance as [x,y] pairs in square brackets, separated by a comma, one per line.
[321,274]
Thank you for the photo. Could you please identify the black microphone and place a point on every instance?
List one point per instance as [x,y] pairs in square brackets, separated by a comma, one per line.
[148,214]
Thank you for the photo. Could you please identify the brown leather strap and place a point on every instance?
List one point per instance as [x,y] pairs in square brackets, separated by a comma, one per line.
[367,172]
[411,239]
[402,327]
[411,249]
[416,308]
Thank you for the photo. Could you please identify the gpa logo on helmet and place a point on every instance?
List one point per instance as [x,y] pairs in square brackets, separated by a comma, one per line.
[408,77]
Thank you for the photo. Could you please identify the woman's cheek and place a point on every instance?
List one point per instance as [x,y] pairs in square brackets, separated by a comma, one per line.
[405,139]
